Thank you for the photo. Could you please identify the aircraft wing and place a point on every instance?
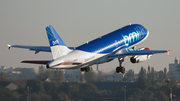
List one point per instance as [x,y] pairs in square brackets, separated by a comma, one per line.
[37,49]
[133,52]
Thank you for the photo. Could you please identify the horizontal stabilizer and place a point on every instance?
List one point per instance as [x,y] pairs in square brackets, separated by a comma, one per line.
[31,48]
[36,62]
[37,49]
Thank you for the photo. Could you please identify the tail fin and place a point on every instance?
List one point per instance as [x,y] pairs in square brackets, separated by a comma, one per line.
[58,48]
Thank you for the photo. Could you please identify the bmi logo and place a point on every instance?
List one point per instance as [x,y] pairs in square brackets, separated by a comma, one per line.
[55,42]
[131,37]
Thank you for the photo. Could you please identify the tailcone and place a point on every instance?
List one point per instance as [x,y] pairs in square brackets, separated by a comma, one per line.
[47,66]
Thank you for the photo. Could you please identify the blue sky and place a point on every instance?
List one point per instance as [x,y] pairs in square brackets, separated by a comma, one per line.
[77,21]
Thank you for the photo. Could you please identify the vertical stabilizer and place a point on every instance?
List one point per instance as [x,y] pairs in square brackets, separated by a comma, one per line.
[58,48]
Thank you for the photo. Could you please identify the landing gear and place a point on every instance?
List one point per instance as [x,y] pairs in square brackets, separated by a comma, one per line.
[120,68]
[85,69]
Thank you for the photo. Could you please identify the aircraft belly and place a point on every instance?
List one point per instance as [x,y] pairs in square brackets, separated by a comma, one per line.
[77,59]
[64,67]
[83,57]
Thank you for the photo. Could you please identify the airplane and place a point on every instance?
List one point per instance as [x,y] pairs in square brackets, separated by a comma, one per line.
[119,44]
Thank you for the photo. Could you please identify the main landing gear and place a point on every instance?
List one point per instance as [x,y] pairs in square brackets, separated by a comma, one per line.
[85,69]
[120,68]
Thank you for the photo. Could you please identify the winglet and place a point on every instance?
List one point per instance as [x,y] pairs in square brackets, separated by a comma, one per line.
[168,52]
[9,46]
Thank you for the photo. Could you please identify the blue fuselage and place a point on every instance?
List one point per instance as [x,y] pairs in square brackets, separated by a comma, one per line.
[97,51]
[129,35]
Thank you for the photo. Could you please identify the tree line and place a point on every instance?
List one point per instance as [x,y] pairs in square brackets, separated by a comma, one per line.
[151,85]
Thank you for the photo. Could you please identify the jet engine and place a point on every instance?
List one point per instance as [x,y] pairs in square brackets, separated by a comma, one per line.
[140,58]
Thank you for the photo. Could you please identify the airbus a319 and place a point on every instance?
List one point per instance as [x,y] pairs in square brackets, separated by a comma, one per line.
[118,44]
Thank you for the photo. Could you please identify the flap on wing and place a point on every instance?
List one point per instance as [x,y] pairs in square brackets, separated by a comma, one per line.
[36,61]
[132,52]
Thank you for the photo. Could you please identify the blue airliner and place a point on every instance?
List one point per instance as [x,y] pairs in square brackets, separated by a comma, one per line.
[118,44]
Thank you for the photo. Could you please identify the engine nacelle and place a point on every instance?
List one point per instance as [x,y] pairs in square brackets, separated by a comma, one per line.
[140,58]
[134,60]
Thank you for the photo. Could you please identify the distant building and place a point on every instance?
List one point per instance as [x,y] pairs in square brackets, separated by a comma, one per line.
[6,70]
[71,74]
[3,67]
[174,69]
[74,75]
[114,76]
[9,85]
[19,73]
[22,73]
[12,86]
[51,80]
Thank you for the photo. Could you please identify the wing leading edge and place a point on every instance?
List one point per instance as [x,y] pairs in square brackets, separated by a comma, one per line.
[133,52]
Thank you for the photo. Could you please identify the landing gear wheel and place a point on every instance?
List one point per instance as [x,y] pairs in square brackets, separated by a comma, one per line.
[120,69]
[85,69]
[82,69]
